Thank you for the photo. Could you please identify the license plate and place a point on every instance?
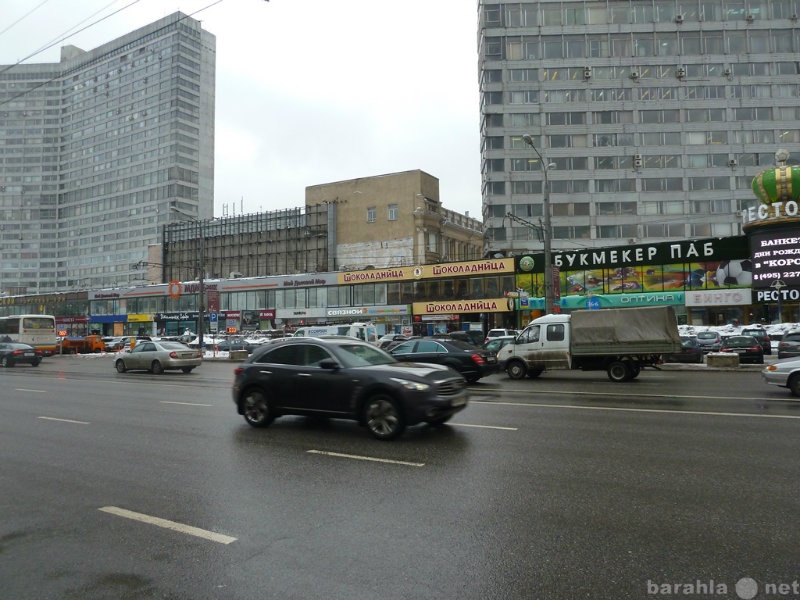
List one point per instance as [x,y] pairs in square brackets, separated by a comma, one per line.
[491,359]
[29,354]
[459,401]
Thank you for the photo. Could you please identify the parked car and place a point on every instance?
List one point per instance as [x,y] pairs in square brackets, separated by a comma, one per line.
[784,373]
[474,338]
[345,378]
[472,362]
[762,336]
[13,353]
[710,341]
[493,333]
[495,344]
[746,346]
[158,356]
[114,343]
[789,346]
[691,352]
[386,340]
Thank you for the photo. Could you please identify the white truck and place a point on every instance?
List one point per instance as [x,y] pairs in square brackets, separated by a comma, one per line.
[620,341]
[363,331]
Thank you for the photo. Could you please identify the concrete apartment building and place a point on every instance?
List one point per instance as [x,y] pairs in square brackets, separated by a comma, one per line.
[95,151]
[390,220]
[653,116]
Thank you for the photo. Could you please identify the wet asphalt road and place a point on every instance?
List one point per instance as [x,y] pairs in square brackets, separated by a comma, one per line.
[570,486]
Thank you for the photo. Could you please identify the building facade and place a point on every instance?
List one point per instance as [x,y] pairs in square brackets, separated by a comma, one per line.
[651,116]
[96,149]
[391,220]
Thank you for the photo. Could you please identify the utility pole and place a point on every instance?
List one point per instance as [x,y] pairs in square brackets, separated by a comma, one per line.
[548,229]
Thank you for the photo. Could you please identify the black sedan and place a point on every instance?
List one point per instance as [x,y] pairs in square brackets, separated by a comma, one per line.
[12,353]
[746,346]
[472,362]
[344,378]
[691,352]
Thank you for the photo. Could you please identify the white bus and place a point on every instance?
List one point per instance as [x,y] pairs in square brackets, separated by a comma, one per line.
[38,331]
[363,331]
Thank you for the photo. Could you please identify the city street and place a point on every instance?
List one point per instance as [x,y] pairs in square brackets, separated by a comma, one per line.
[680,483]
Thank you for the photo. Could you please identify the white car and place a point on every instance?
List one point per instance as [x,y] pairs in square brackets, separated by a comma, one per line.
[784,373]
[495,333]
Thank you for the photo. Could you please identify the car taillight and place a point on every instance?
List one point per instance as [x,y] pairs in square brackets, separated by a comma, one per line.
[173,354]
[238,371]
[199,354]
[18,352]
[478,359]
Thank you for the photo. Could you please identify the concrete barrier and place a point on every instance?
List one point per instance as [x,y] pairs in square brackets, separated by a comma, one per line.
[728,360]
[242,355]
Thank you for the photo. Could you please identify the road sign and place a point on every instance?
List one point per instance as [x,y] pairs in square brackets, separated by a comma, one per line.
[593,303]
[213,317]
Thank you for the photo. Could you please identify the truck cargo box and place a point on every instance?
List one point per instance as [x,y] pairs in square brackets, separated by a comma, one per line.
[638,330]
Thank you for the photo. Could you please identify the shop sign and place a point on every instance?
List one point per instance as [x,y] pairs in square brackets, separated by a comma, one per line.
[462,306]
[139,318]
[733,297]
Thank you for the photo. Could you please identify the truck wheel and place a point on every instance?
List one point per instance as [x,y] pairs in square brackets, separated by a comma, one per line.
[635,370]
[534,373]
[516,369]
[618,371]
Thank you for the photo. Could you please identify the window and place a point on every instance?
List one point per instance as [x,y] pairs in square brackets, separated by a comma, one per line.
[392,212]
[372,214]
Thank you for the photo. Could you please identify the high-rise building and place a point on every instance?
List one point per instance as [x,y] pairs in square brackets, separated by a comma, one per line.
[96,151]
[648,119]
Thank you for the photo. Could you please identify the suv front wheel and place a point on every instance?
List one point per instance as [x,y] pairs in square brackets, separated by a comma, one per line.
[383,417]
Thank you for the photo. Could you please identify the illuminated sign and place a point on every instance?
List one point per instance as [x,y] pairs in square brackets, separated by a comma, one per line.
[776,258]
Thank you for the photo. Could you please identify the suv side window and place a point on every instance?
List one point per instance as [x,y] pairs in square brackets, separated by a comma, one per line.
[314,355]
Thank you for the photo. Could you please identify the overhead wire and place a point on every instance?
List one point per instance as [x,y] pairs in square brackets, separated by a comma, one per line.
[24,16]
[31,89]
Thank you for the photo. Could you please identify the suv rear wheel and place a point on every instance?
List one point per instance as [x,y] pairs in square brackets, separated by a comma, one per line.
[256,409]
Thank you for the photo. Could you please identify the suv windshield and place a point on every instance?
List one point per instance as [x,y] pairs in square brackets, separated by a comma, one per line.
[362,355]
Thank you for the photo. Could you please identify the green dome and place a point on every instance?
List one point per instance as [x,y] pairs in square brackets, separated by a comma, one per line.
[777,185]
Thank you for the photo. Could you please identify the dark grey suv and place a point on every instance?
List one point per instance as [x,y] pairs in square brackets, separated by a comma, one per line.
[345,378]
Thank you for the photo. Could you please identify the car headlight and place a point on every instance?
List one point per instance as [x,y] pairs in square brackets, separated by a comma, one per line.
[414,386]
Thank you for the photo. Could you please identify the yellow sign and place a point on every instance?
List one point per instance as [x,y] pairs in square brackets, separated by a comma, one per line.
[140,318]
[462,306]
[493,266]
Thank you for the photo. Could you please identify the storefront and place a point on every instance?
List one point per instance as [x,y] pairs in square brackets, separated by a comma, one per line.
[697,277]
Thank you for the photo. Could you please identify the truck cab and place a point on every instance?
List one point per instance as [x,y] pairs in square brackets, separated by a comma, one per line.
[542,345]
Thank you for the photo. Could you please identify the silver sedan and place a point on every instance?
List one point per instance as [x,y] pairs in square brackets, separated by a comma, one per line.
[784,373]
[158,357]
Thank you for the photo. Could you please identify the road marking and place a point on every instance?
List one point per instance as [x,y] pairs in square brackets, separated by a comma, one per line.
[27,390]
[485,426]
[650,410]
[64,420]
[179,527]
[367,458]
[184,403]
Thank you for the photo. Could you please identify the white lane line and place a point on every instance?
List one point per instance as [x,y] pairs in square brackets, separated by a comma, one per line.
[649,410]
[64,420]
[179,527]
[485,426]
[367,458]
[27,390]
[184,403]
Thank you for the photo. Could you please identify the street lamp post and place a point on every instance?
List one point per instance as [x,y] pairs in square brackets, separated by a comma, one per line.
[201,268]
[548,230]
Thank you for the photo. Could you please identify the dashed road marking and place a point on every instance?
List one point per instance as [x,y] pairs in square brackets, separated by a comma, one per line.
[367,458]
[166,524]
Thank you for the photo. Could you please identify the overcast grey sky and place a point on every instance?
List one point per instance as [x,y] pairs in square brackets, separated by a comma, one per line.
[308,91]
